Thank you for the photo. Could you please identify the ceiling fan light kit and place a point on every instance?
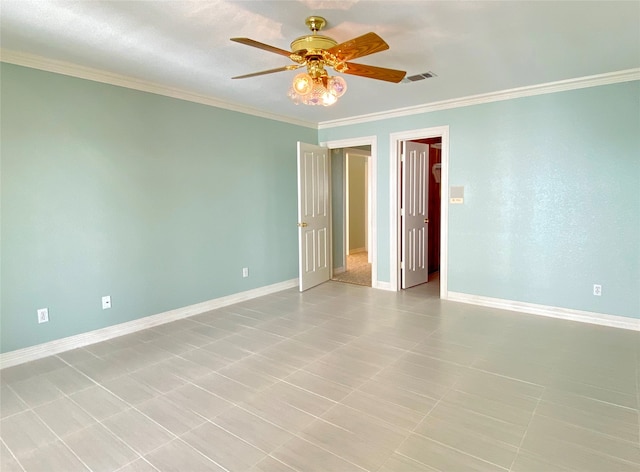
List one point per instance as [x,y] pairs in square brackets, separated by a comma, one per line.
[316,86]
[324,90]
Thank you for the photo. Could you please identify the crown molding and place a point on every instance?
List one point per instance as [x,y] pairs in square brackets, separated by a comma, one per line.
[96,75]
[628,75]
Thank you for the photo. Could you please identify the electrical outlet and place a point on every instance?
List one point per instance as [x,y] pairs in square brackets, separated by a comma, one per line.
[245,272]
[43,315]
[597,290]
[106,302]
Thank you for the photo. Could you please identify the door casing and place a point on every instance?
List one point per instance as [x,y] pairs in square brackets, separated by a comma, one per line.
[395,140]
[372,142]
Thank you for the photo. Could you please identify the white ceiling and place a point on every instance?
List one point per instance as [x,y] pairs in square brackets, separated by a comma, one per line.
[474,47]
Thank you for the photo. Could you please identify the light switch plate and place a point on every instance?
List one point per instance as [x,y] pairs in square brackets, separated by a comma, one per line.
[456,195]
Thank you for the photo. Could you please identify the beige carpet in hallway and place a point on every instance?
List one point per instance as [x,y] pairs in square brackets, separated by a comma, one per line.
[358,270]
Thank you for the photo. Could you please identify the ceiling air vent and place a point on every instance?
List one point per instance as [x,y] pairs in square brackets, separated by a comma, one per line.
[417,77]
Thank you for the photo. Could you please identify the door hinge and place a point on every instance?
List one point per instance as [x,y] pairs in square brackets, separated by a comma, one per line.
[402,265]
[401,211]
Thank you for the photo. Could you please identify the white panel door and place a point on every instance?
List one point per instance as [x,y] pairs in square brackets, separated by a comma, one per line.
[415,194]
[314,241]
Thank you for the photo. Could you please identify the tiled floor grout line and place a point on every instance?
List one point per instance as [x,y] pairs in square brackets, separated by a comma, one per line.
[449,390]
[135,408]
[141,458]
[283,463]
[290,338]
[61,440]
[32,410]
[12,454]
[524,435]
[28,408]
[200,452]
[412,431]
[325,450]
[414,460]
[283,380]
[294,434]
[131,407]
[239,404]
[418,424]
[323,303]
[100,422]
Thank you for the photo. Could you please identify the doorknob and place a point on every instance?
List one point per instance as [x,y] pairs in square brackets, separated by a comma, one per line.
[302,225]
[426,220]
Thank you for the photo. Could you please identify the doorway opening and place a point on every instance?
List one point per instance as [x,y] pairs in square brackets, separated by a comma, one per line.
[428,147]
[351,208]
[340,149]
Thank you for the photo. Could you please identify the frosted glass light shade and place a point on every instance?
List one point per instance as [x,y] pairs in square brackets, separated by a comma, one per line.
[312,91]
[302,84]
[328,99]
[337,86]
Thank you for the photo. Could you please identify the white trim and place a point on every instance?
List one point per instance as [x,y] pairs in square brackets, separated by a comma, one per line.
[346,192]
[394,177]
[346,200]
[66,68]
[97,75]
[383,286]
[373,162]
[550,311]
[19,356]
[540,89]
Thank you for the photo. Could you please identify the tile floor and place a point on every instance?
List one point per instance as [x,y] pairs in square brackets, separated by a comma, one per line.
[340,378]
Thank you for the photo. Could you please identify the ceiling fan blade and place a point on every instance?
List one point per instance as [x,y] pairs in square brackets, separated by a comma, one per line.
[373,72]
[270,71]
[359,47]
[259,45]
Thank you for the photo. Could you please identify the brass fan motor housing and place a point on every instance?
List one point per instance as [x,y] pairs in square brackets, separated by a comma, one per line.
[313,42]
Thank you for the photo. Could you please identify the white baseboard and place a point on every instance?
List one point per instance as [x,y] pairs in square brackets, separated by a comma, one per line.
[382,285]
[32,353]
[550,311]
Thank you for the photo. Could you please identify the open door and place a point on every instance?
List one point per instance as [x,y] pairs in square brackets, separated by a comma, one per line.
[314,240]
[415,192]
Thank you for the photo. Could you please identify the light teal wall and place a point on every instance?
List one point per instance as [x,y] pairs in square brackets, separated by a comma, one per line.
[552,196]
[155,201]
[357,202]
[160,202]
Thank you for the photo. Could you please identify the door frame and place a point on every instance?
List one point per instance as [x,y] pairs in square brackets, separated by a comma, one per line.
[395,139]
[371,141]
[349,152]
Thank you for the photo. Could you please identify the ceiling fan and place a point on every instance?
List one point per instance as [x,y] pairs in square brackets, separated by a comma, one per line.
[316,52]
